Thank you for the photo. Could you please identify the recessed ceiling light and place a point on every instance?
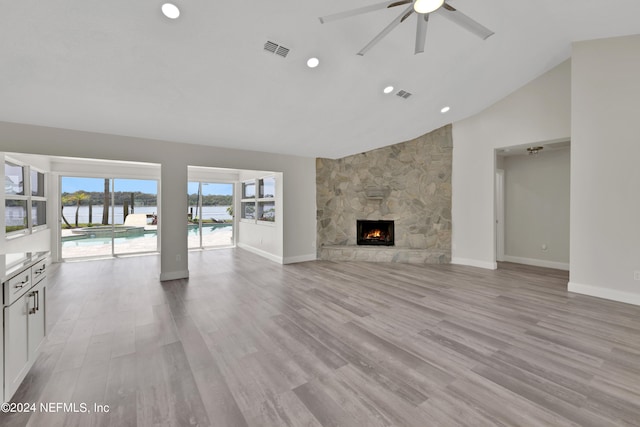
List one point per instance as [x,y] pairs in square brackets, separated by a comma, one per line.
[388,89]
[445,109]
[170,10]
[313,62]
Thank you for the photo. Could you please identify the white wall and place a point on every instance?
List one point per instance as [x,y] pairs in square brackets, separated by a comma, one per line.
[605,176]
[299,223]
[213,175]
[538,112]
[537,208]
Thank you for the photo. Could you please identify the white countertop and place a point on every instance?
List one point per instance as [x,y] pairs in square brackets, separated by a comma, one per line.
[11,264]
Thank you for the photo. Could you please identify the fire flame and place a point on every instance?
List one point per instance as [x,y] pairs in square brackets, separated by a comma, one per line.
[373,234]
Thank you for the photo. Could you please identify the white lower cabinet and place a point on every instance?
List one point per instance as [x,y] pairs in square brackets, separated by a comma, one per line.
[24,329]
[36,321]
[16,345]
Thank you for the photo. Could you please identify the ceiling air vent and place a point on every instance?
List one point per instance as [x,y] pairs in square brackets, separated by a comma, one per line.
[403,94]
[276,48]
[282,51]
[270,46]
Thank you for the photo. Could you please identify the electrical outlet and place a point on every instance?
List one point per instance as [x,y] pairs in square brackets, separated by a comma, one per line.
[636,275]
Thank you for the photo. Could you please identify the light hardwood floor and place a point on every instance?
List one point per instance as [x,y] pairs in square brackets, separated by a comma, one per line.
[247,342]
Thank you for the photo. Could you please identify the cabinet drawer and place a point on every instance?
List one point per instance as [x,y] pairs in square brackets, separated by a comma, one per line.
[16,286]
[38,272]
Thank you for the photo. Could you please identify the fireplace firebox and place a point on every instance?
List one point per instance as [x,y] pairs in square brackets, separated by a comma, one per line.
[376,233]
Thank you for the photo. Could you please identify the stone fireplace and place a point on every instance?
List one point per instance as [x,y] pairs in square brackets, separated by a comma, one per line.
[407,184]
[374,233]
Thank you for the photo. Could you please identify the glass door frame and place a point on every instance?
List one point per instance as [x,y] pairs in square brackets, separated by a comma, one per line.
[199,212]
[112,179]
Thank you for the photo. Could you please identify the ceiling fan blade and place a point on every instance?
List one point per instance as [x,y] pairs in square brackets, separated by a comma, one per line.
[399,3]
[421,32]
[464,21]
[361,10]
[406,15]
[387,30]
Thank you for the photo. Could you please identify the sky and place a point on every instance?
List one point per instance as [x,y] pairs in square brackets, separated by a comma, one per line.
[73,184]
[211,189]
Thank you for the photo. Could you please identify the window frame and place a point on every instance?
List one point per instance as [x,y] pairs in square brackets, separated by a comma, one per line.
[28,198]
[44,198]
[258,200]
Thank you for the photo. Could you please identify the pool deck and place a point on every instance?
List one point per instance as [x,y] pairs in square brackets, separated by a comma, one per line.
[67,232]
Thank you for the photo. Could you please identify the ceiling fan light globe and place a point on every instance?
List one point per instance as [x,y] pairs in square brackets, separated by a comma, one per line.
[170,10]
[427,6]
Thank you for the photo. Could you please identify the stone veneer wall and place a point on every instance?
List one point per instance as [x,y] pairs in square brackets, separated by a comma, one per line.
[415,178]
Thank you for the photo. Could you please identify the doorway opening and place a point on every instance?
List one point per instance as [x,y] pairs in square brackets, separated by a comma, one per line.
[210,216]
[532,204]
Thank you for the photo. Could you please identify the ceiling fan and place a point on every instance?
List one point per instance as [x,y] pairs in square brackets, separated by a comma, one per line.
[423,8]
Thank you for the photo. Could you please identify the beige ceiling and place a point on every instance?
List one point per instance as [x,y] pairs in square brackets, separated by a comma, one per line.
[121,67]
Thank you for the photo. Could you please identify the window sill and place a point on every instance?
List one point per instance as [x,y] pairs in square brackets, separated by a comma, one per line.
[17,234]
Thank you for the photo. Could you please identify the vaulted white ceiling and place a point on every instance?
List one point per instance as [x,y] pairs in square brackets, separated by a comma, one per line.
[121,67]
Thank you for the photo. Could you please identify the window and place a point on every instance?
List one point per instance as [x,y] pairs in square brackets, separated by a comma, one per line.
[267,188]
[37,183]
[249,210]
[267,199]
[15,215]
[263,208]
[38,213]
[19,201]
[249,190]
[13,179]
[267,211]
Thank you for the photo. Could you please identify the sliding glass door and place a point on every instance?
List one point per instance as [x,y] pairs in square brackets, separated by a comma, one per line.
[86,219]
[136,208]
[210,216]
[106,216]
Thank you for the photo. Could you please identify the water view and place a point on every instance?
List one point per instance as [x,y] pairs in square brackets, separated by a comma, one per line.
[219,213]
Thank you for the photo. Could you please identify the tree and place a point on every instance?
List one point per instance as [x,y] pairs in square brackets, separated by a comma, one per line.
[65,200]
[105,203]
[79,197]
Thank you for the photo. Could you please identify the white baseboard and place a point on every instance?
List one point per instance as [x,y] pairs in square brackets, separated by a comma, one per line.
[538,262]
[174,275]
[260,252]
[474,263]
[300,258]
[606,293]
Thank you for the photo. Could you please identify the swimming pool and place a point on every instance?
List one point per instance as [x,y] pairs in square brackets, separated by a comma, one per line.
[97,241]
[143,240]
